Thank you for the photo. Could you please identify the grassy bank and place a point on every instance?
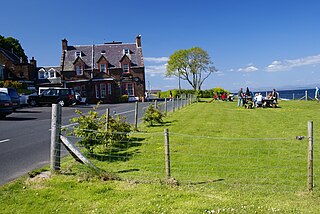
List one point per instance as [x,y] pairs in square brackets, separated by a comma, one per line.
[223,158]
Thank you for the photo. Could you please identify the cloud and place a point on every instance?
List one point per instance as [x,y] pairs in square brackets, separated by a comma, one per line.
[286,65]
[248,69]
[156,59]
[156,69]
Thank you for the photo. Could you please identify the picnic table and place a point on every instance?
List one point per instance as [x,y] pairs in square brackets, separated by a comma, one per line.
[269,102]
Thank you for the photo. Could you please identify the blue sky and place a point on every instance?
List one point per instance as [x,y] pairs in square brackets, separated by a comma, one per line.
[262,44]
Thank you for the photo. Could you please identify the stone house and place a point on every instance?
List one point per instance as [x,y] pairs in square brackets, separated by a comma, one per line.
[104,72]
[12,67]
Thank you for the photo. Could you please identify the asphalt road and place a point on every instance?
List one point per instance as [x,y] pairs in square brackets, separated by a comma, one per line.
[25,136]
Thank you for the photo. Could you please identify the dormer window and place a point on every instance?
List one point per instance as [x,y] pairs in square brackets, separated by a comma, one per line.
[51,73]
[126,51]
[41,74]
[78,54]
[103,68]
[125,68]
[103,52]
[79,70]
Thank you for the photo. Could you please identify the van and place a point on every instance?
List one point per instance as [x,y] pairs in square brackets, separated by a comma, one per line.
[15,99]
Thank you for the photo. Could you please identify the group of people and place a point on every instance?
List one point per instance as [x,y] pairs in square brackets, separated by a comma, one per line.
[249,100]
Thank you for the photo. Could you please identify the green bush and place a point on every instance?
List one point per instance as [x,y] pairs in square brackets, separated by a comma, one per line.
[94,135]
[124,99]
[152,116]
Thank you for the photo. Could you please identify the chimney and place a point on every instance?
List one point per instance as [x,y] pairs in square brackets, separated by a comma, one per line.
[33,62]
[138,41]
[64,44]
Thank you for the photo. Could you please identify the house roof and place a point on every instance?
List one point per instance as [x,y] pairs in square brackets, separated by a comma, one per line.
[47,68]
[11,56]
[113,52]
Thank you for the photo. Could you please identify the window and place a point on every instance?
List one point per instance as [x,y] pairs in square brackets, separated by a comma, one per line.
[41,74]
[97,91]
[78,53]
[109,88]
[103,68]
[126,51]
[125,68]
[79,70]
[51,73]
[103,91]
[127,89]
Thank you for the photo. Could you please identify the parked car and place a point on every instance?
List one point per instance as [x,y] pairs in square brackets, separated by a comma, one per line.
[62,96]
[15,99]
[6,107]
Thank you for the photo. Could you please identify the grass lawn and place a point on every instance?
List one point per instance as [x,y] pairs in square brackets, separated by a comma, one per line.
[223,159]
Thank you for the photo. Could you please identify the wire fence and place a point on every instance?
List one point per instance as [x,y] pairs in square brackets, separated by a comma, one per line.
[272,164]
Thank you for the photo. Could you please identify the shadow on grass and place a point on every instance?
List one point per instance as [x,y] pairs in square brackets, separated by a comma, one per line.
[119,152]
[166,123]
[206,182]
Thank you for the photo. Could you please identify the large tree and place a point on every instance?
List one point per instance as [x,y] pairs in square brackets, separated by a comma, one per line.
[13,45]
[193,65]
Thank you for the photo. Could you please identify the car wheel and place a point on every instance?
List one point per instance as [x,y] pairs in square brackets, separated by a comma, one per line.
[33,103]
[61,103]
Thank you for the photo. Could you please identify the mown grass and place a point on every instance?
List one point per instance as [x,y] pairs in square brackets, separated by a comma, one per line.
[224,158]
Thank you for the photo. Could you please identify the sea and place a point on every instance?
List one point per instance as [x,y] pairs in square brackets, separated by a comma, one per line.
[298,94]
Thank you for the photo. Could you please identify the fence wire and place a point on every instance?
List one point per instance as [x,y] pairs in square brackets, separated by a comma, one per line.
[278,164]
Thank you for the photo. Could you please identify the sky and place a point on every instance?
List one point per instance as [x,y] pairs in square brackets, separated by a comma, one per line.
[260,44]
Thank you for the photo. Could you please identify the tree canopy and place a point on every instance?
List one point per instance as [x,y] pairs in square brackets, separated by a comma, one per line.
[13,45]
[193,65]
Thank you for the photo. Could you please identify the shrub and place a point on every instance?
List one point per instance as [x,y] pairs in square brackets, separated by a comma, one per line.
[93,132]
[152,116]
[124,99]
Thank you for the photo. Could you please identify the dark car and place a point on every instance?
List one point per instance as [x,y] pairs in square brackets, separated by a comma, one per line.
[15,99]
[62,96]
[5,105]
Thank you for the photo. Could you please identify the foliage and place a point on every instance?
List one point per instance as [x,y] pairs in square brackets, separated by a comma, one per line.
[13,45]
[201,94]
[11,84]
[92,130]
[193,65]
[124,99]
[152,116]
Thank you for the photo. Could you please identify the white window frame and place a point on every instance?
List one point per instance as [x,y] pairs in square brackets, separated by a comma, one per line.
[103,90]
[77,53]
[109,89]
[127,87]
[41,74]
[97,90]
[126,51]
[125,68]
[77,70]
[104,70]
[52,71]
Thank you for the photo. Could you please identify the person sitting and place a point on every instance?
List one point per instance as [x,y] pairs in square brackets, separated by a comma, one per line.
[258,100]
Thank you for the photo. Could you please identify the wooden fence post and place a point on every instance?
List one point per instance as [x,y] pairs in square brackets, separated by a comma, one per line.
[136,117]
[310,155]
[55,150]
[167,152]
[107,118]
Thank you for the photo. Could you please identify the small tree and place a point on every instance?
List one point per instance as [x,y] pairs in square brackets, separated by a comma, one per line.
[93,132]
[152,116]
